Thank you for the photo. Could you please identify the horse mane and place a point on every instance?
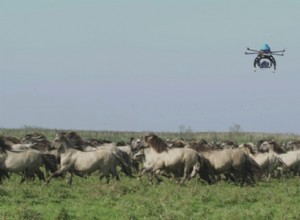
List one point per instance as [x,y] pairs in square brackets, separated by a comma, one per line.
[36,136]
[249,147]
[179,144]
[176,143]
[40,141]
[74,139]
[228,144]
[3,146]
[156,143]
[277,148]
[62,140]
[10,140]
[200,146]
[97,142]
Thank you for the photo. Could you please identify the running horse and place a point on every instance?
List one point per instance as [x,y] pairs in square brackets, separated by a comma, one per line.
[184,163]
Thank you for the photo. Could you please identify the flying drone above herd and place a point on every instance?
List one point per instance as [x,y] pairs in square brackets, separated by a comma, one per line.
[264,58]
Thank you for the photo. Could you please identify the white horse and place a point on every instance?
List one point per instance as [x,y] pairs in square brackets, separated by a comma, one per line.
[76,142]
[292,145]
[27,162]
[79,162]
[268,162]
[292,161]
[231,161]
[184,163]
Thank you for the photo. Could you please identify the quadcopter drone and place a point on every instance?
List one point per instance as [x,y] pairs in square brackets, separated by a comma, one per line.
[265,59]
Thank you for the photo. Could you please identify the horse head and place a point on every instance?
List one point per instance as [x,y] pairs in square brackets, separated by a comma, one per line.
[265,146]
[292,145]
[139,155]
[60,143]
[156,143]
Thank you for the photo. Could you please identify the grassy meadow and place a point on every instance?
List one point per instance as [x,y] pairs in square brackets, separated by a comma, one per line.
[137,199]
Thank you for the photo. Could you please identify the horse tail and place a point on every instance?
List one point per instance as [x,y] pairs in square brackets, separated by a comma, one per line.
[3,174]
[49,162]
[252,168]
[204,169]
[124,161]
[282,163]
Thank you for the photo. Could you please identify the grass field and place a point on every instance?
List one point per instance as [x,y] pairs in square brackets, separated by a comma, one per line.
[135,199]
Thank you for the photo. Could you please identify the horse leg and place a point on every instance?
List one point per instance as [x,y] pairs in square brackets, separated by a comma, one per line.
[159,180]
[230,177]
[146,169]
[142,172]
[40,174]
[23,179]
[114,173]
[57,173]
[185,174]
[69,178]
[26,175]
[196,169]
[106,176]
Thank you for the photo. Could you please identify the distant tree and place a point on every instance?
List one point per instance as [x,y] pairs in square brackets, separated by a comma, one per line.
[235,128]
[234,132]
[186,133]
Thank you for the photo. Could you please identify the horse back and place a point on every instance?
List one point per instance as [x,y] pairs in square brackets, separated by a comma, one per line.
[18,161]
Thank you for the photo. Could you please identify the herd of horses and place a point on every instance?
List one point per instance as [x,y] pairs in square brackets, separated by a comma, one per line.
[68,155]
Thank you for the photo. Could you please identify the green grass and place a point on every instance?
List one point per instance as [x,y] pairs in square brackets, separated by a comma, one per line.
[135,199]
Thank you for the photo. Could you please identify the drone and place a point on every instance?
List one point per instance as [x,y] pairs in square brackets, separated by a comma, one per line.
[265,59]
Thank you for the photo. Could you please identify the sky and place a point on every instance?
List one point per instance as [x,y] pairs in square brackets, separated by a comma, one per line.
[159,65]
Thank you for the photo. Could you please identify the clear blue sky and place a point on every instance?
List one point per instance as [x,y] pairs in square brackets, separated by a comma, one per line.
[148,65]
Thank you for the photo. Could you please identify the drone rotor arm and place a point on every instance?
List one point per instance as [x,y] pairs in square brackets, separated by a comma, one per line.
[278,51]
[252,50]
[248,53]
[276,54]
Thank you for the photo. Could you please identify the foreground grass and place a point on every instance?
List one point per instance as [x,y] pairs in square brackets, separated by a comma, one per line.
[135,199]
